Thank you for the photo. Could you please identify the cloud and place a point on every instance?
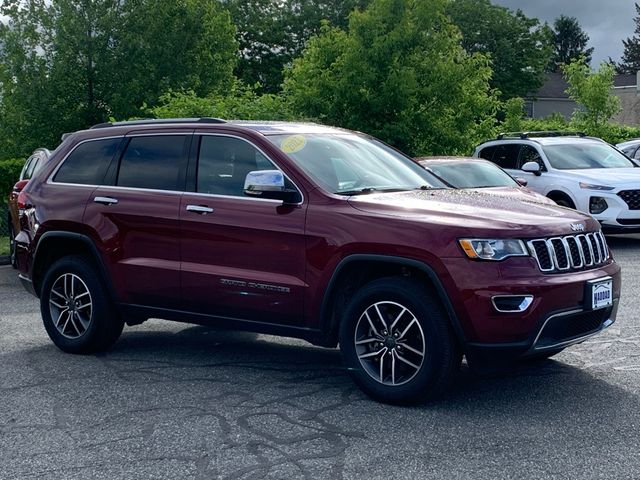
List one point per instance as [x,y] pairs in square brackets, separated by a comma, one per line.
[607,22]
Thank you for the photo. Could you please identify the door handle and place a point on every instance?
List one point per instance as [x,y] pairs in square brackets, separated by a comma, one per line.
[106,200]
[200,209]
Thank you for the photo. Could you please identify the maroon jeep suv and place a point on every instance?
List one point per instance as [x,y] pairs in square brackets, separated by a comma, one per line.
[305,231]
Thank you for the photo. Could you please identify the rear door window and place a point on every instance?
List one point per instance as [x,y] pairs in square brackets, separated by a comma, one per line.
[506,156]
[88,162]
[487,153]
[154,162]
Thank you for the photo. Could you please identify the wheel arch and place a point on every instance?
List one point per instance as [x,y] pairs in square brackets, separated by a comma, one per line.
[556,192]
[356,270]
[54,245]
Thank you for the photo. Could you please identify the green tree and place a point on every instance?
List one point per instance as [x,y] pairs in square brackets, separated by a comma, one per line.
[519,47]
[399,73]
[513,115]
[67,64]
[631,56]
[592,91]
[161,46]
[77,48]
[24,93]
[271,34]
[241,103]
[569,42]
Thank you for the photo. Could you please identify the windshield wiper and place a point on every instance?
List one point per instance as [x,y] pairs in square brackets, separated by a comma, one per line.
[368,190]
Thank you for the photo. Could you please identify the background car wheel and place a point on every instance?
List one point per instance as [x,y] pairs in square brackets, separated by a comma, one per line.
[76,309]
[563,200]
[397,342]
[12,246]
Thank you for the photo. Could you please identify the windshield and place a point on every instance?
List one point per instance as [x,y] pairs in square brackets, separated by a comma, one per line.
[350,164]
[463,174]
[586,155]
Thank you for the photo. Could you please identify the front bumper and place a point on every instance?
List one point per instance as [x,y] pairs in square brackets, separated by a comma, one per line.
[554,332]
[618,217]
[559,314]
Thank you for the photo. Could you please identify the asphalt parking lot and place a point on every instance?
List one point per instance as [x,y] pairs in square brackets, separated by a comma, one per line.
[179,401]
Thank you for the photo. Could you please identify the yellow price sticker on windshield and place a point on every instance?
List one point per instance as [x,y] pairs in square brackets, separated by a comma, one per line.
[293,144]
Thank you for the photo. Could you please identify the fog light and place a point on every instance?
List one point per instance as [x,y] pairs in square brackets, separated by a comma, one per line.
[597,205]
[511,303]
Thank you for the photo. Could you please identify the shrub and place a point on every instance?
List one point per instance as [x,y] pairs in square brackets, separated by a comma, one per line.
[9,174]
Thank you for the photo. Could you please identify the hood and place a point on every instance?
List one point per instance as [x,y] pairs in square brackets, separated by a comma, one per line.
[517,193]
[473,210]
[613,177]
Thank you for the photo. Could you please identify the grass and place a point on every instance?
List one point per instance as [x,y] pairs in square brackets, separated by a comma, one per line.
[4,246]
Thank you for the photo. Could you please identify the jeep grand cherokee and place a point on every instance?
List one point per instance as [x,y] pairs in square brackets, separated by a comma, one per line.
[305,231]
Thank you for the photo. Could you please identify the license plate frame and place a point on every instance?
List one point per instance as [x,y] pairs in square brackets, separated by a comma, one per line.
[599,293]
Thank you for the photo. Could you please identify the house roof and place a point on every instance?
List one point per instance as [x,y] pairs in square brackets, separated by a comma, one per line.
[555,86]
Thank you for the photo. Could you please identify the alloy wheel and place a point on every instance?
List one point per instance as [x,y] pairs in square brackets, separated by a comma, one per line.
[389,343]
[70,305]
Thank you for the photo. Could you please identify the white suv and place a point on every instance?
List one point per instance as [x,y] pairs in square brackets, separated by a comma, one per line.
[575,171]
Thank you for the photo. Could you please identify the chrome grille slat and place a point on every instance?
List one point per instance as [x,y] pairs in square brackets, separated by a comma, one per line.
[559,254]
[596,247]
[586,250]
[572,241]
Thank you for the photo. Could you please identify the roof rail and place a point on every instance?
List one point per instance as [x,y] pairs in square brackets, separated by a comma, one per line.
[550,133]
[159,121]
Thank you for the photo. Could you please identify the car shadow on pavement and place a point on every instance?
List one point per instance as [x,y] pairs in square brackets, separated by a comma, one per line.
[297,362]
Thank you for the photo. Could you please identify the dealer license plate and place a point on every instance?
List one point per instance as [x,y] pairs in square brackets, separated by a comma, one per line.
[601,293]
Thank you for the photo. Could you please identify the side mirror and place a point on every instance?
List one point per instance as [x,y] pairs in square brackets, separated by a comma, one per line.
[19,186]
[532,167]
[521,181]
[269,184]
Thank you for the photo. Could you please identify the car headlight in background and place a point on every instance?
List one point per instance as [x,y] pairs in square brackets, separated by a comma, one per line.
[493,249]
[589,186]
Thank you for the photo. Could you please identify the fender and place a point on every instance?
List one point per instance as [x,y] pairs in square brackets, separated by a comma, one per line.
[440,290]
[91,248]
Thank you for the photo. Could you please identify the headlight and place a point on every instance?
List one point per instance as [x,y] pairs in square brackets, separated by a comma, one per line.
[486,249]
[589,186]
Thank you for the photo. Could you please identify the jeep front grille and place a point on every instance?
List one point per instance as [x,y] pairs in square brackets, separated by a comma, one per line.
[572,252]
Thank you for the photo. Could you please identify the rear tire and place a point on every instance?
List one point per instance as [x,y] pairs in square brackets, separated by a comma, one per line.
[396,340]
[76,309]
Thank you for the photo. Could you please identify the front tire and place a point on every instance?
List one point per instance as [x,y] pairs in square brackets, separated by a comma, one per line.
[397,342]
[77,312]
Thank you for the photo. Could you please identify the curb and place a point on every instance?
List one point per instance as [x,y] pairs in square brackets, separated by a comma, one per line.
[5,260]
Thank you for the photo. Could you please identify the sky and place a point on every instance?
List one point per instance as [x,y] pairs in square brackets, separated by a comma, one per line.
[607,22]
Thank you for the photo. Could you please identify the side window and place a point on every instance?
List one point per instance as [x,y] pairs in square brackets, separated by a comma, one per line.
[530,154]
[24,174]
[629,151]
[506,155]
[33,168]
[88,163]
[154,162]
[637,154]
[487,153]
[224,162]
